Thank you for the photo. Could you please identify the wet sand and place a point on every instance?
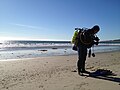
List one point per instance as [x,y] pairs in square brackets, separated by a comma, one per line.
[59,73]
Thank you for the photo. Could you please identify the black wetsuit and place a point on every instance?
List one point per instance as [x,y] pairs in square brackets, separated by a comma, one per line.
[82,53]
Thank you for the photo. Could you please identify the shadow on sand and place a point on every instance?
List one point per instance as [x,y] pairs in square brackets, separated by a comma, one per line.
[103,74]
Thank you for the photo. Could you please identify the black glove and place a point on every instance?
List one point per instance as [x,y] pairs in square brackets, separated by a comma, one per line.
[96,41]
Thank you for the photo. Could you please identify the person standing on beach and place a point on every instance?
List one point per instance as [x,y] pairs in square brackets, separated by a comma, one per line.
[86,39]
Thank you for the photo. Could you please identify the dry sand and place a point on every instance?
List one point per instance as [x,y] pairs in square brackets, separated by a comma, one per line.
[59,73]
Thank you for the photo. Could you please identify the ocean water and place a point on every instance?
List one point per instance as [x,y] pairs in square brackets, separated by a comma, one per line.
[32,49]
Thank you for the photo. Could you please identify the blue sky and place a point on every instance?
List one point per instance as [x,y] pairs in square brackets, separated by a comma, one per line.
[56,19]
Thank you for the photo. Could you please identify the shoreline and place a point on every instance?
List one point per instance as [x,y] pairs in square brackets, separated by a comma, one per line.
[13,53]
[55,56]
[59,73]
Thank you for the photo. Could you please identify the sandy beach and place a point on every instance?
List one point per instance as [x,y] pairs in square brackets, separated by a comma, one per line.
[59,73]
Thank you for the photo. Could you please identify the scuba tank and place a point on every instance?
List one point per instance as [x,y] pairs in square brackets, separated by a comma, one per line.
[74,38]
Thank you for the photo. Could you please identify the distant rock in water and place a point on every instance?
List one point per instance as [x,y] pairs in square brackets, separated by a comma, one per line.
[54,48]
[43,50]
